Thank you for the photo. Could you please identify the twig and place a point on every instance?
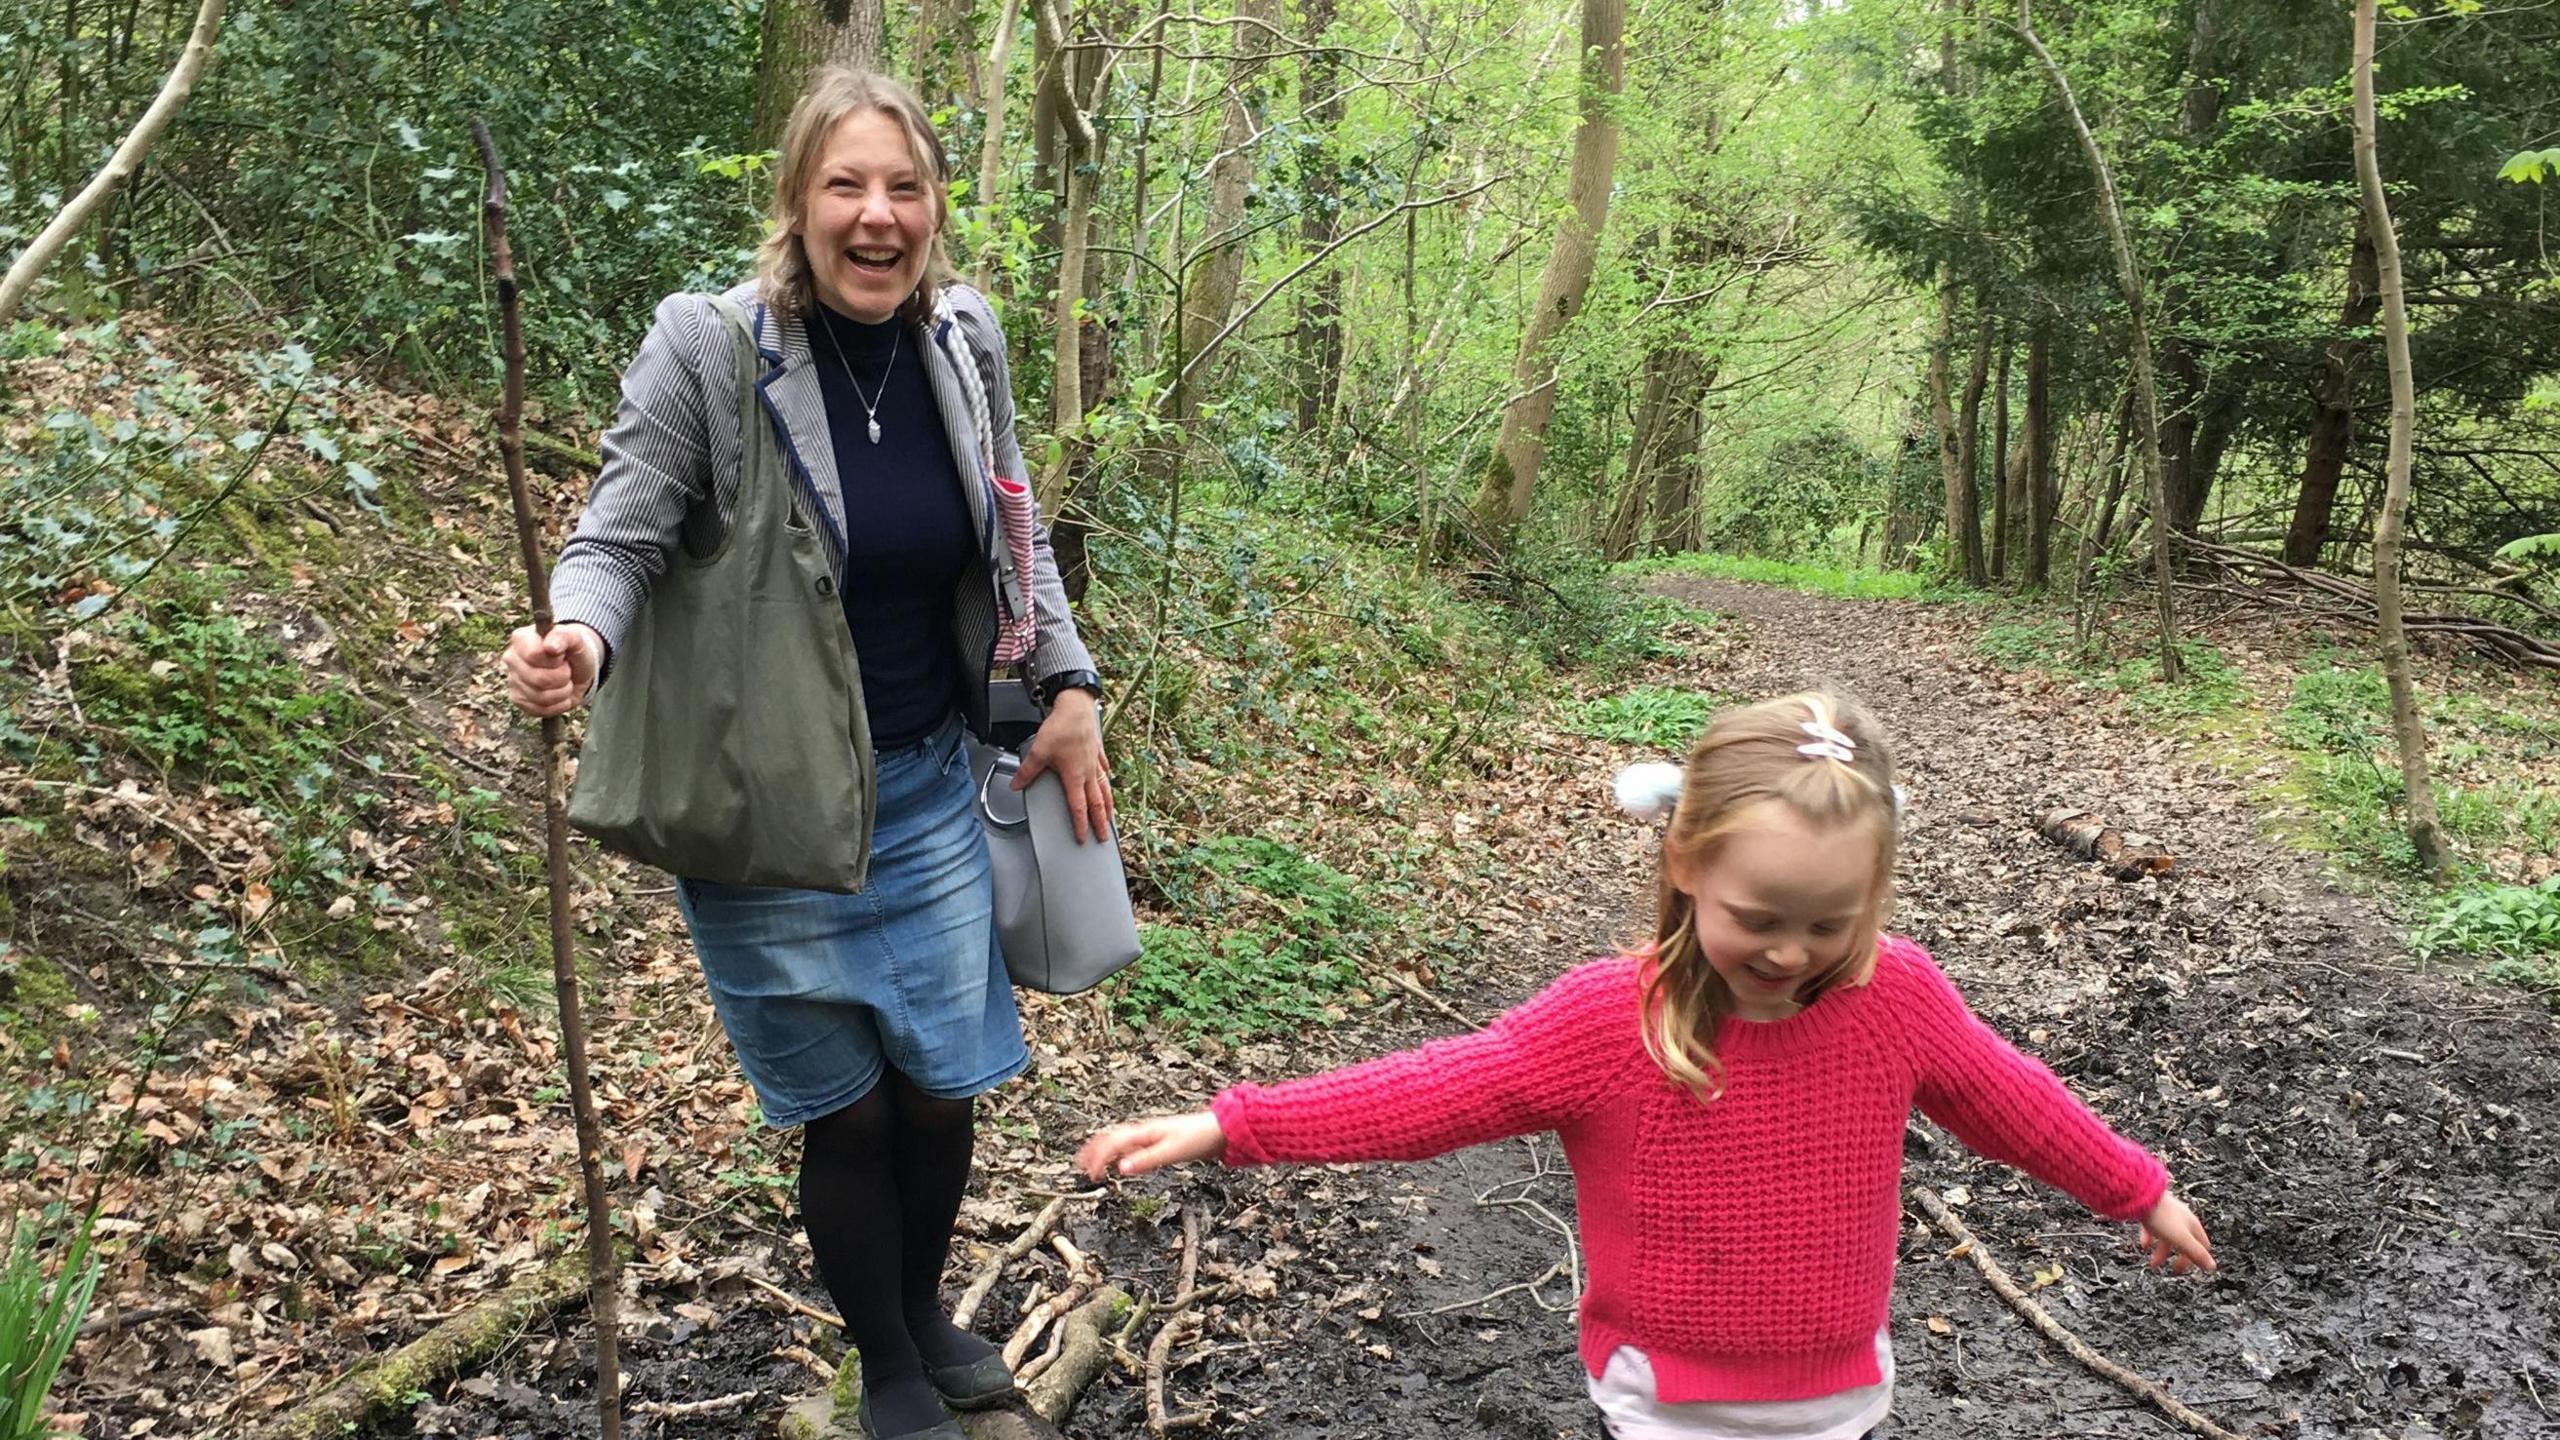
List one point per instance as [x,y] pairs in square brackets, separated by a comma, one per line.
[1554,1272]
[795,1304]
[1023,1244]
[1028,1333]
[2052,1329]
[1402,982]
[1160,1349]
[676,1408]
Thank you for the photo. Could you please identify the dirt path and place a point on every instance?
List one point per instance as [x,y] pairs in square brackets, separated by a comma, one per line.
[2372,1147]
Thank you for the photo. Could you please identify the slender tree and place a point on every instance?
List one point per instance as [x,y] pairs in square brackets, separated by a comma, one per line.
[2425,835]
[1502,499]
[120,166]
[2146,392]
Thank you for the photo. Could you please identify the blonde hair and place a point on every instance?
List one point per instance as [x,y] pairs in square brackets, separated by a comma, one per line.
[836,91]
[1747,757]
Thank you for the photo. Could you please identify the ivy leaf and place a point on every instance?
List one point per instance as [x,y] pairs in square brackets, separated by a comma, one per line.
[410,139]
[616,199]
[434,239]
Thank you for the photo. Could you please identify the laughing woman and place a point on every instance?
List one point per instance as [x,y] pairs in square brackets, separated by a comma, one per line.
[870,1019]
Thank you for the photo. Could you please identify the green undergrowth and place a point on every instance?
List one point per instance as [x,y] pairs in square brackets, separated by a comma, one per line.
[1816,579]
[1651,715]
[196,658]
[2494,755]
[1295,659]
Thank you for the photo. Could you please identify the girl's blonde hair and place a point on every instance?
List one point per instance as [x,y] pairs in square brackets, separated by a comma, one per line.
[1774,750]
[836,91]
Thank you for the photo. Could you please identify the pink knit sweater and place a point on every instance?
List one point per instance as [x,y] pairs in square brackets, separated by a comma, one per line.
[1746,1246]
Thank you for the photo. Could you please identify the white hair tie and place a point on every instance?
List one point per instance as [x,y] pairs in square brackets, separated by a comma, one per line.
[1649,790]
[1827,744]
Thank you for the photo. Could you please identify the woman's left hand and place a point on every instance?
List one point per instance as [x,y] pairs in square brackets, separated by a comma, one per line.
[1070,742]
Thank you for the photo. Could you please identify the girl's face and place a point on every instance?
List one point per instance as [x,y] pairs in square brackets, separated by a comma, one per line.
[1781,904]
[867,220]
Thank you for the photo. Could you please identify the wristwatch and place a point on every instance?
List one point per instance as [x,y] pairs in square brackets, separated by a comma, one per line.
[1064,680]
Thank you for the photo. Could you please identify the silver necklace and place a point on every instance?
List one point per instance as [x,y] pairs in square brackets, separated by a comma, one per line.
[870,408]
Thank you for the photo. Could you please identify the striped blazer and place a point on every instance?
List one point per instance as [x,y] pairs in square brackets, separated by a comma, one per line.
[671,459]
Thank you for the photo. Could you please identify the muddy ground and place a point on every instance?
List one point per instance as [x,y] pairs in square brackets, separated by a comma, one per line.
[2371,1145]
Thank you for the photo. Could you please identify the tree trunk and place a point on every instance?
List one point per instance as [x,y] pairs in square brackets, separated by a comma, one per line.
[1942,414]
[2145,388]
[799,36]
[991,149]
[2043,497]
[120,166]
[1209,291]
[2003,513]
[1626,516]
[2333,408]
[2425,835]
[1079,352]
[1969,458]
[1320,311]
[1502,499]
[1675,461]
[942,53]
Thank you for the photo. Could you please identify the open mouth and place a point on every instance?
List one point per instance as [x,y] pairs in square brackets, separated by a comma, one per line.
[876,262]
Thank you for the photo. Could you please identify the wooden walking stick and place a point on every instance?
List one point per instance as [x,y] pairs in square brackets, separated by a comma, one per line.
[603,1274]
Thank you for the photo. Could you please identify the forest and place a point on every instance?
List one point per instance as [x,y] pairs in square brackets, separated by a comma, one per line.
[2151,411]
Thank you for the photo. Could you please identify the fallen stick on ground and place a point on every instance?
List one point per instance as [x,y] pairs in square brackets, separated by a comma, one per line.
[677,1409]
[1427,998]
[1023,1244]
[460,1343]
[2127,855]
[1160,1349]
[2052,1329]
[1027,1334]
[1081,1355]
[795,1304]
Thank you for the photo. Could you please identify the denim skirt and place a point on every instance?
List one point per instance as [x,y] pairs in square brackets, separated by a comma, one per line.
[820,992]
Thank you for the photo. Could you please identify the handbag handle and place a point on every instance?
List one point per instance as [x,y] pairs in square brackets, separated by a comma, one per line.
[1005,764]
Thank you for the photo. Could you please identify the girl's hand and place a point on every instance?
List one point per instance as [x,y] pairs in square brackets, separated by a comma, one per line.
[1070,742]
[2171,1229]
[550,674]
[1139,1146]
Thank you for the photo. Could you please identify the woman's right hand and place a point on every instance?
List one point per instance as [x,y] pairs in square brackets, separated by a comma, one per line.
[550,674]
[1138,1146]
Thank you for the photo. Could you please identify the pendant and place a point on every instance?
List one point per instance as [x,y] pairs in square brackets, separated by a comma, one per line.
[875,432]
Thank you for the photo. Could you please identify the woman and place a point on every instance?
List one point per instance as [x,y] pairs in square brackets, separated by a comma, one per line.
[870,1019]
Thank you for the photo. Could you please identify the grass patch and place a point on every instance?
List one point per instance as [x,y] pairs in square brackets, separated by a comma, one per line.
[1796,575]
[2207,686]
[1651,715]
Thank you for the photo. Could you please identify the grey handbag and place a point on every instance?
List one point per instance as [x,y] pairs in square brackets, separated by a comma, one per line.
[1062,909]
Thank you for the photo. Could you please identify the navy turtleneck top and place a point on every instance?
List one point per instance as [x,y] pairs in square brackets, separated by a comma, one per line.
[907,528]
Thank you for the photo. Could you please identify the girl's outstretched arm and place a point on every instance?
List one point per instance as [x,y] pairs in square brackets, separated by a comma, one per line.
[1135,1147]
[1535,1068]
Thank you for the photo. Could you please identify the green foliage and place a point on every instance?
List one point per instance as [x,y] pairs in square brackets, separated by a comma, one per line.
[2514,927]
[43,1299]
[1847,584]
[197,692]
[1660,718]
[2339,717]
[2531,165]
[1278,940]
[2533,549]
[2208,685]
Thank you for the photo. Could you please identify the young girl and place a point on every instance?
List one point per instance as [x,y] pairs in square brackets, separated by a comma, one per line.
[1732,1098]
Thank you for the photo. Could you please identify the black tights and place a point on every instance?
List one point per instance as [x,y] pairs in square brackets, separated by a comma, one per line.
[880,1184]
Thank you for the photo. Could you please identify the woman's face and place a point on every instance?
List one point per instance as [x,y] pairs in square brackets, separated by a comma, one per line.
[867,220]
